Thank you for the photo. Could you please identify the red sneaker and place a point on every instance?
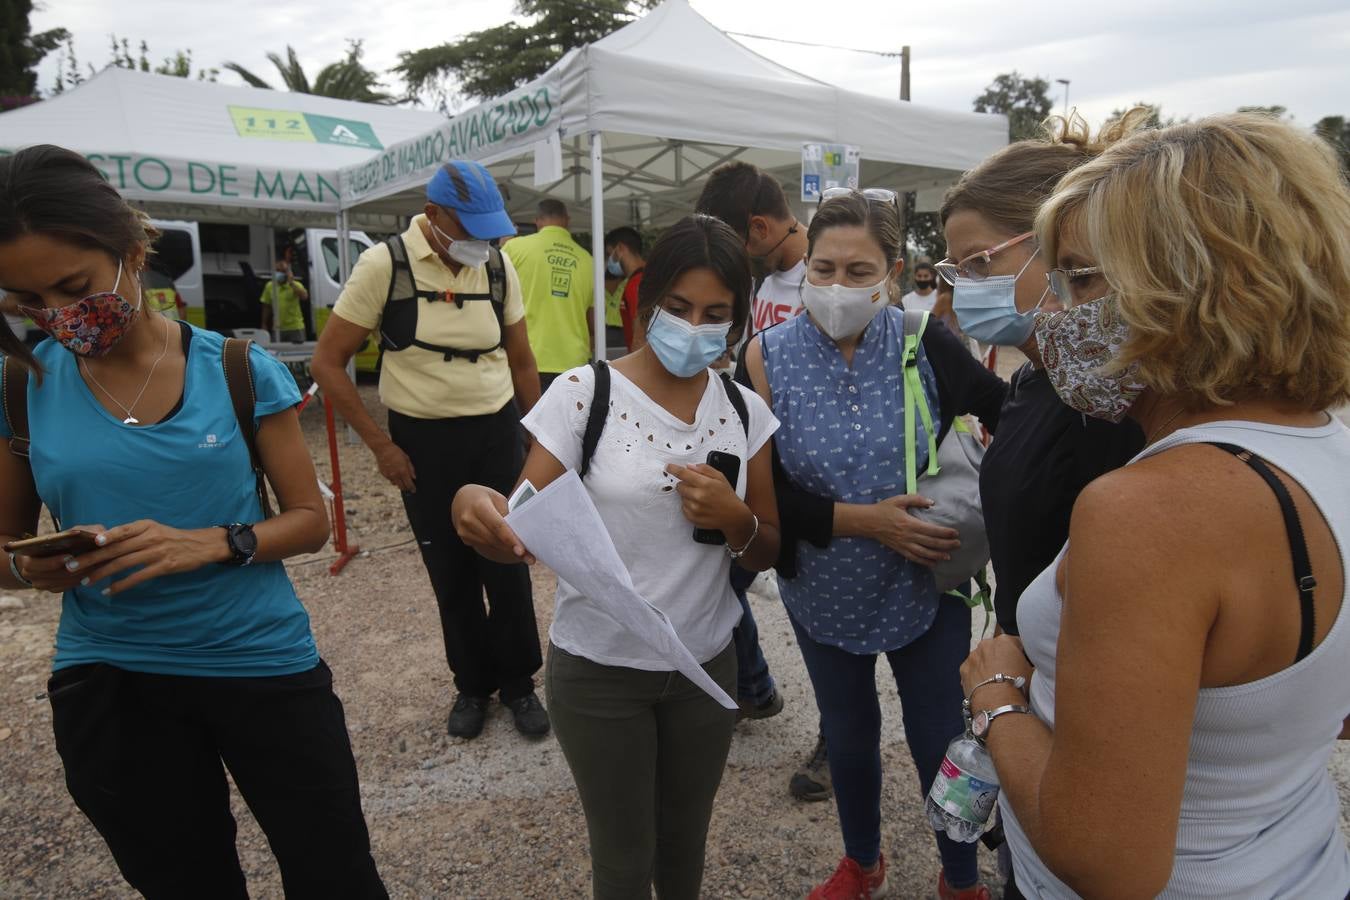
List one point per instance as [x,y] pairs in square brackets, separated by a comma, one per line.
[850,882]
[976,892]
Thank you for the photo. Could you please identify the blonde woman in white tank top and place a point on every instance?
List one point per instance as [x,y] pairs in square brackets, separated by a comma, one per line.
[1189,652]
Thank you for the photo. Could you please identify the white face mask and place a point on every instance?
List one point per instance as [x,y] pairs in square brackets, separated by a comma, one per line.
[842,312]
[466,253]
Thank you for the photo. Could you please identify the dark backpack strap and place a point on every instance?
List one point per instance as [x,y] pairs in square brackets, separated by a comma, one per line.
[1298,547]
[737,401]
[15,399]
[239,379]
[595,420]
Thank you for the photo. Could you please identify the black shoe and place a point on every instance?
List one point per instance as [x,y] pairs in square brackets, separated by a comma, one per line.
[529,714]
[812,781]
[467,716]
[766,710]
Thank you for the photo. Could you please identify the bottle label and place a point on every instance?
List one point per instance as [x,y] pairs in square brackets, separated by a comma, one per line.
[962,795]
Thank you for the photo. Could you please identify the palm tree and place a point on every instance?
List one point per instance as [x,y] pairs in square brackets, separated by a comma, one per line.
[346,79]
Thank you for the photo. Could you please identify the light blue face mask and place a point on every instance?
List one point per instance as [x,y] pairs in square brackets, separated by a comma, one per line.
[684,349]
[987,310]
[613,267]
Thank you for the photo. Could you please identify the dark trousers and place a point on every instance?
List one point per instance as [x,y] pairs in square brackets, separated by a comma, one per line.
[927,675]
[143,758]
[646,750]
[754,684]
[489,648]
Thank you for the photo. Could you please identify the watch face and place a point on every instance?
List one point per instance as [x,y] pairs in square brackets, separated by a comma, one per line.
[980,725]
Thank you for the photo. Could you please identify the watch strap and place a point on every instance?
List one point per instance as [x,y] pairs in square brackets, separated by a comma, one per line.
[990,715]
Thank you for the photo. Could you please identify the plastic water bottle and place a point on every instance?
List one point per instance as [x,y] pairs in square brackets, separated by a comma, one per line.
[965,790]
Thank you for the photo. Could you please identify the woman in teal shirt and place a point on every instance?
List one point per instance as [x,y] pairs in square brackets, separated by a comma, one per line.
[182,645]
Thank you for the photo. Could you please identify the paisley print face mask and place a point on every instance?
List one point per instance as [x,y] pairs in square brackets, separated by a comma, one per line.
[92,326]
[1075,344]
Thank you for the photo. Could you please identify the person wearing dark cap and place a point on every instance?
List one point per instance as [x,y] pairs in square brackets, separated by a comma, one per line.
[447,306]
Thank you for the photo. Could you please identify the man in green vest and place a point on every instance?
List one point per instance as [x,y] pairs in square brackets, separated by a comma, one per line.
[281,300]
[557,279]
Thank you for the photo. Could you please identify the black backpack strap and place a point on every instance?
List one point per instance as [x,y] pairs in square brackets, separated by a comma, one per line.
[1298,546]
[239,379]
[15,400]
[737,401]
[595,420]
[398,325]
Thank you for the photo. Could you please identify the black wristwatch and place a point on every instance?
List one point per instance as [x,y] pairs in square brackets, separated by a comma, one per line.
[243,544]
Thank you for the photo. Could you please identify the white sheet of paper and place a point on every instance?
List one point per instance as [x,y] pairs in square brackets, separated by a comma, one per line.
[561,527]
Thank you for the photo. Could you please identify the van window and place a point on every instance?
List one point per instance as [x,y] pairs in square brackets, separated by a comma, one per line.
[173,254]
[217,238]
[330,256]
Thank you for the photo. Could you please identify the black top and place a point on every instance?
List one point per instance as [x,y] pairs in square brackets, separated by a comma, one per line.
[1043,457]
[964,386]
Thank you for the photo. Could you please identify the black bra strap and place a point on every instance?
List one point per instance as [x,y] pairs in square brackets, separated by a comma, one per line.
[1298,547]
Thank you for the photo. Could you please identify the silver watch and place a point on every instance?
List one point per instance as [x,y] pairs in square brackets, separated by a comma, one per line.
[979,726]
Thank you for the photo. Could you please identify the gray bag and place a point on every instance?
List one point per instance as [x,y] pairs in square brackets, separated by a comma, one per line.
[952,479]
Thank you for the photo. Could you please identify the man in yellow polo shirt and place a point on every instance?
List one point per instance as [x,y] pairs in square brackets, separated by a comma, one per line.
[557,279]
[281,300]
[448,309]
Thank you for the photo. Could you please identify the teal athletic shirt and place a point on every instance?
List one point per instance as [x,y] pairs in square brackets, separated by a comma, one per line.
[190,470]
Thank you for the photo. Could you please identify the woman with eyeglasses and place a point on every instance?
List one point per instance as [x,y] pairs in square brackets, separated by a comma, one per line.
[1045,452]
[861,586]
[1191,641]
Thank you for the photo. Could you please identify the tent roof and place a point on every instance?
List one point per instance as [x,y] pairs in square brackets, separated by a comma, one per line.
[673,97]
[187,148]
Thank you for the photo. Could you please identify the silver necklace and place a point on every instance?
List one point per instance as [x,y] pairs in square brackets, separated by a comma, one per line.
[130,419]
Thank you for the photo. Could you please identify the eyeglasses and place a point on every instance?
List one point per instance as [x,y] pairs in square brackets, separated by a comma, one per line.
[1062,280]
[976,265]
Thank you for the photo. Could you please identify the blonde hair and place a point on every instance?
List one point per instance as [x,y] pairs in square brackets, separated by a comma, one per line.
[1009,187]
[1227,244]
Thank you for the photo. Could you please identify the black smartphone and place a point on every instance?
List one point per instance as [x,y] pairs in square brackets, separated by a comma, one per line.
[729,464]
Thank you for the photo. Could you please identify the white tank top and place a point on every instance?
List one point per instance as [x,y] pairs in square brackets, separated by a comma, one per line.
[1260,816]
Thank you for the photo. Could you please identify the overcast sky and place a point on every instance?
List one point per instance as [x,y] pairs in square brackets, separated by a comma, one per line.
[1192,57]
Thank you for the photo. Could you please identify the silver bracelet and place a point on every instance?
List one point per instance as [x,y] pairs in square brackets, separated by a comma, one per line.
[18,576]
[1017,681]
[754,533]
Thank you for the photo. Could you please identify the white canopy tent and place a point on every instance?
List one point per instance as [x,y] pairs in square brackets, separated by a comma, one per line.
[212,152]
[661,103]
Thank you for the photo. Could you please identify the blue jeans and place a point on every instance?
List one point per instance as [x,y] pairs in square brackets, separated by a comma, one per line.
[754,684]
[927,675]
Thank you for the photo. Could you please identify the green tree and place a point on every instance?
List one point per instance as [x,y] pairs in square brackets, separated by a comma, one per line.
[496,60]
[1335,130]
[178,66]
[1275,112]
[1025,101]
[346,79]
[21,51]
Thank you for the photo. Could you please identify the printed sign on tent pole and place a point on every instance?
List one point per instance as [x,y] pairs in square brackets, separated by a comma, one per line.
[825,166]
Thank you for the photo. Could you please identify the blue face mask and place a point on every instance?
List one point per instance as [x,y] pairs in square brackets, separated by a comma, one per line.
[684,349]
[987,310]
[613,268]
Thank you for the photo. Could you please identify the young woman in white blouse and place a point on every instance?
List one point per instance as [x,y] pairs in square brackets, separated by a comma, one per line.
[645,746]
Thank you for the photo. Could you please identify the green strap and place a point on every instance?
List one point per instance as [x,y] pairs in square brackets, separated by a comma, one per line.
[915,397]
[981,596]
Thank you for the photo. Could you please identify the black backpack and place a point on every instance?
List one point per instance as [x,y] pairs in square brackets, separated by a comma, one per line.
[398,326]
[595,419]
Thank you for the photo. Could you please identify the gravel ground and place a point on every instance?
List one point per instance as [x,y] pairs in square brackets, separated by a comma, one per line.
[492,818]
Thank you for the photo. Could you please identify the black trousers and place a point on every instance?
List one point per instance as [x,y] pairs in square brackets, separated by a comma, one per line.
[489,648]
[143,759]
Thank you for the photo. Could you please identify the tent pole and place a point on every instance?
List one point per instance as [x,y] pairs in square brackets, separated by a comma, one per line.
[345,271]
[598,240]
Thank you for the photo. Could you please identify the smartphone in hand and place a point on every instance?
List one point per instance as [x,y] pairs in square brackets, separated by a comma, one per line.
[62,543]
[730,466]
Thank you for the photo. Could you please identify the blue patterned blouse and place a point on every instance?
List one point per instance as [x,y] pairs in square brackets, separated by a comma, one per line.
[843,436]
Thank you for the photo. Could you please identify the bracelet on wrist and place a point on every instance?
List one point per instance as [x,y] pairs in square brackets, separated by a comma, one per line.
[737,553]
[18,576]
[1017,681]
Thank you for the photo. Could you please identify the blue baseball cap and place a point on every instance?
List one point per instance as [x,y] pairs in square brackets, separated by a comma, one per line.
[467,188]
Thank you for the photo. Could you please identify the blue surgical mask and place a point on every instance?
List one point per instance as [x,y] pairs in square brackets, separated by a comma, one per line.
[684,349]
[613,267]
[279,277]
[987,310]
